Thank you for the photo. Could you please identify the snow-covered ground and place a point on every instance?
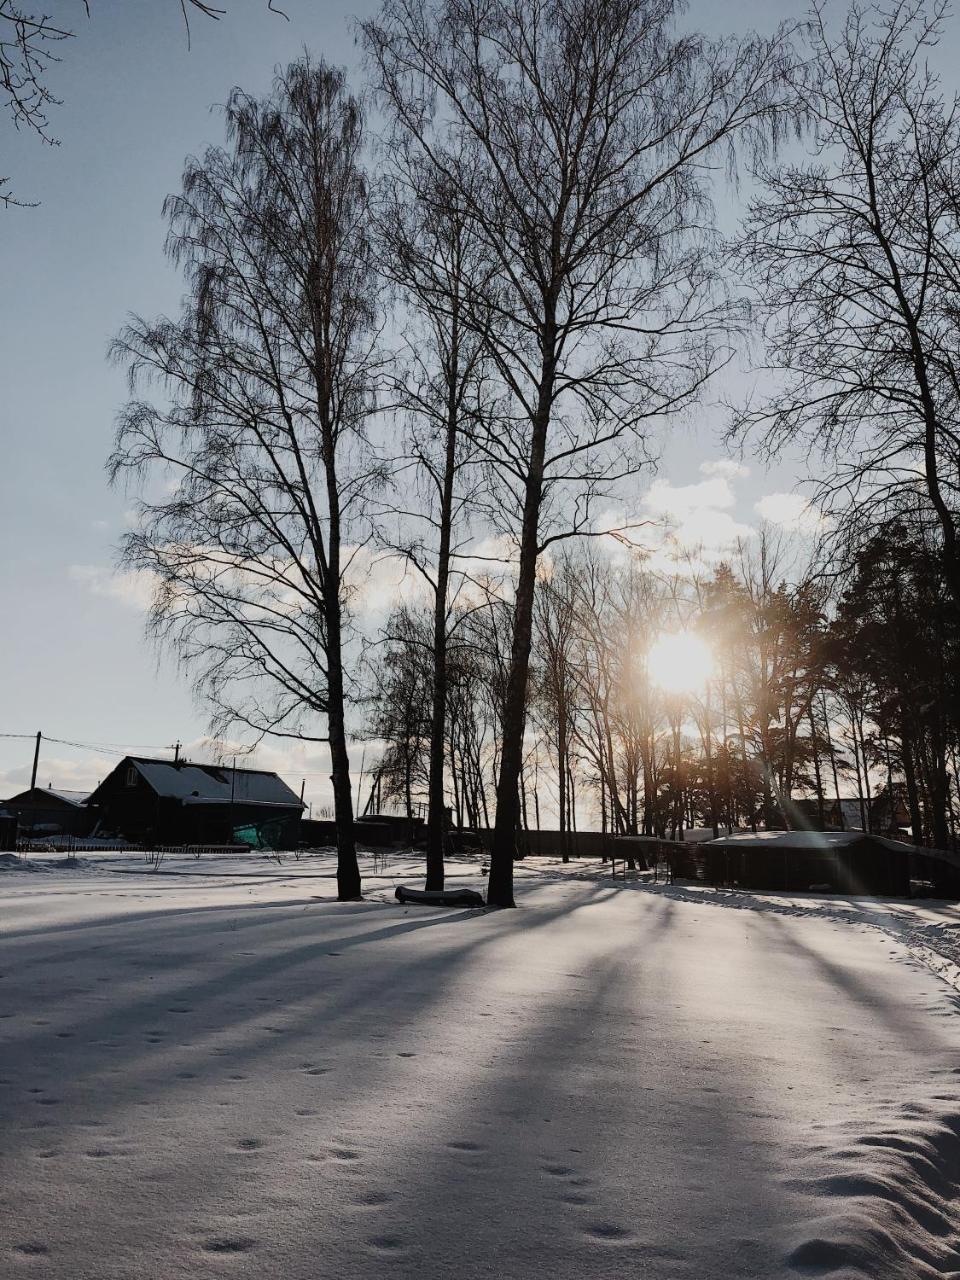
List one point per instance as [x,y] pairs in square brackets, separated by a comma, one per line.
[216,1070]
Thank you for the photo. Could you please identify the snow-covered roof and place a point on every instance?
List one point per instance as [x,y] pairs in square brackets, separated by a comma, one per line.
[213,783]
[77,798]
[697,835]
[72,797]
[807,840]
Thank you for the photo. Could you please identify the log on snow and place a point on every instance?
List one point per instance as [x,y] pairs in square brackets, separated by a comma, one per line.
[440,897]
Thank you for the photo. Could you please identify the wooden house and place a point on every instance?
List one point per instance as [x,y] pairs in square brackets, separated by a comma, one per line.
[167,802]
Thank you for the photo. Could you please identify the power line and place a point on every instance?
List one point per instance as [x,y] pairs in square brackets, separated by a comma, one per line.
[110,748]
[121,749]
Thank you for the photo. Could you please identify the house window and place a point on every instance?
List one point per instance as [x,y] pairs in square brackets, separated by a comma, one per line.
[131,775]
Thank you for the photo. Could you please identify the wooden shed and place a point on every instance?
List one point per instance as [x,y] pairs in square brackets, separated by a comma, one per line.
[43,811]
[853,862]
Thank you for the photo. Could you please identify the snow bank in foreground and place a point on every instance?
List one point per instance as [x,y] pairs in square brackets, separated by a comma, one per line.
[225,1073]
[889,1196]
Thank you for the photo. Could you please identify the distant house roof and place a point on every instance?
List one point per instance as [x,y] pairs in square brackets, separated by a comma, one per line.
[38,795]
[846,807]
[808,840]
[192,783]
[71,797]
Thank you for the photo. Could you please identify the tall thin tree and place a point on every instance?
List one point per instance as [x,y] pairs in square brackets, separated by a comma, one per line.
[426,251]
[255,450]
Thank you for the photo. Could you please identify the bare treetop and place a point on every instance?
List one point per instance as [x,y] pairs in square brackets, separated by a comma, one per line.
[29,44]
[855,257]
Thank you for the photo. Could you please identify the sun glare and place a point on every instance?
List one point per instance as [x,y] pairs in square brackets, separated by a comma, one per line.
[680,662]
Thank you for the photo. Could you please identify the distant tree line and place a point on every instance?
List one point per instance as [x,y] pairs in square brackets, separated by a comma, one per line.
[817,691]
[452,346]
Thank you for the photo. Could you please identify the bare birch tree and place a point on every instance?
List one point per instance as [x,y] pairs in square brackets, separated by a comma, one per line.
[256,441]
[427,252]
[575,133]
[855,257]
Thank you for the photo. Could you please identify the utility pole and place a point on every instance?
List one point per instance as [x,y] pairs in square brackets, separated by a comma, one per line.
[233,792]
[36,761]
[176,752]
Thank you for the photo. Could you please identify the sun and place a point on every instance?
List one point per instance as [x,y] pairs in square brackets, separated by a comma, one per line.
[680,662]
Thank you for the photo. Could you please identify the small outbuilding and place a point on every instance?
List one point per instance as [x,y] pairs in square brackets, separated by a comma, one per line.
[179,802]
[51,811]
[853,862]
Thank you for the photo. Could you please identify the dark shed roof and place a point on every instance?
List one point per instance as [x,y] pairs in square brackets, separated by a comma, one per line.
[806,840]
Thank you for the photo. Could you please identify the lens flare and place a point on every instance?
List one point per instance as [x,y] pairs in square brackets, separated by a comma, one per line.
[680,662]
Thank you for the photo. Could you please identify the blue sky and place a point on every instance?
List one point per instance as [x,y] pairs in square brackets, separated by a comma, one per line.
[73,660]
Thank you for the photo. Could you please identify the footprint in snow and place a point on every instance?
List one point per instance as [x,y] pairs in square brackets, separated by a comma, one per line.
[608,1233]
[578,1198]
[229,1244]
[373,1199]
[385,1244]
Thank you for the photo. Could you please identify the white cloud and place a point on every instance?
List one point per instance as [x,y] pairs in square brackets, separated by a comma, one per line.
[77,774]
[379,581]
[700,529]
[726,467]
[710,529]
[789,511]
[679,500]
[133,588]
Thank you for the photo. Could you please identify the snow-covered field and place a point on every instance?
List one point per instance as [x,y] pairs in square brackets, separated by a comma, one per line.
[217,1071]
